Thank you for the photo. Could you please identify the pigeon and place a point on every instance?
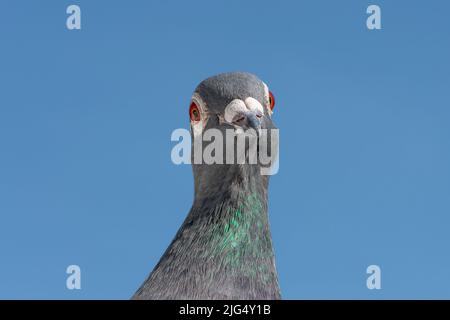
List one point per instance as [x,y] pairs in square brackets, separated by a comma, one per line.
[223,249]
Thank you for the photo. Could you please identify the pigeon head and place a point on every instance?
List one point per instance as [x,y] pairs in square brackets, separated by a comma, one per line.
[236,100]
[224,109]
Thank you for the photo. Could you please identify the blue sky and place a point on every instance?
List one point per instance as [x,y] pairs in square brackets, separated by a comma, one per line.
[86,117]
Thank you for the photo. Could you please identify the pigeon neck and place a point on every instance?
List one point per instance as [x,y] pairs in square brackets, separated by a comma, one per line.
[235,227]
[223,250]
[218,183]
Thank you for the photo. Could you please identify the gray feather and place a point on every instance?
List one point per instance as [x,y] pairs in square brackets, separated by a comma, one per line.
[223,249]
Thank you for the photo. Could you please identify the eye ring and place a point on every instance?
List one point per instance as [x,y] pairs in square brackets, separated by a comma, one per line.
[194,112]
[271,101]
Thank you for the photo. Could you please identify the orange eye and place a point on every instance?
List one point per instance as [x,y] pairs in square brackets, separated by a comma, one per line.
[271,101]
[194,112]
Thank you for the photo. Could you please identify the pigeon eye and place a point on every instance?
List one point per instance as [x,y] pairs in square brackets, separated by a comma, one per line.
[194,112]
[271,100]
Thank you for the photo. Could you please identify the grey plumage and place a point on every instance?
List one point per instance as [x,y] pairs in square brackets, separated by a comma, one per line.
[223,249]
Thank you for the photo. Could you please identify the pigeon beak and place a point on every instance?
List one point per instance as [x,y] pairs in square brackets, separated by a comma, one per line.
[253,121]
[248,120]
